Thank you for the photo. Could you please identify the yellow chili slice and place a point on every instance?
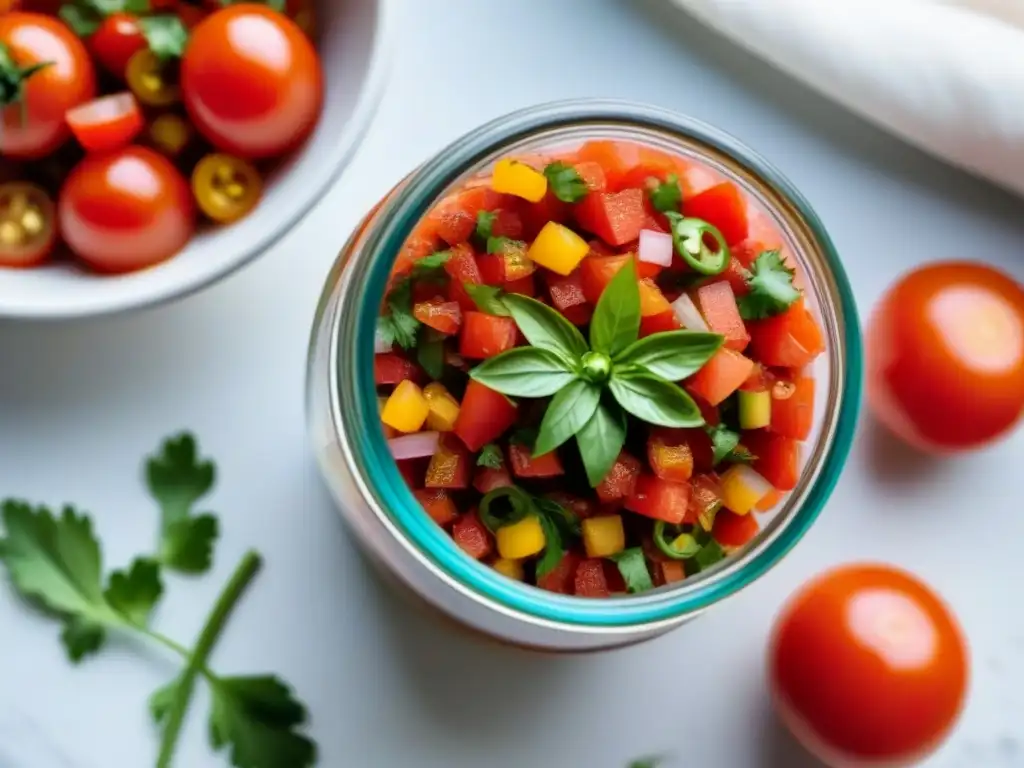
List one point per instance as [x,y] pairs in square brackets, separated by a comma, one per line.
[153,82]
[226,187]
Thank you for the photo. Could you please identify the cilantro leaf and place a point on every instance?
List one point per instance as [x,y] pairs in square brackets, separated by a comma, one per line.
[428,265]
[430,353]
[136,592]
[485,225]
[725,446]
[81,637]
[566,183]
[256,718]
[490,457]
[667,195]
[505,246]
[771,287]
[165,35]
[632,565]
[399,326]
[488,298]
[187,544]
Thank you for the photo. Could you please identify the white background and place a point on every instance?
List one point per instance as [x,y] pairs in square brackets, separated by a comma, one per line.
[389,687]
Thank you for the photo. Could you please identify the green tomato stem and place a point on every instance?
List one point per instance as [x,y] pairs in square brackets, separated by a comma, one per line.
[243,576]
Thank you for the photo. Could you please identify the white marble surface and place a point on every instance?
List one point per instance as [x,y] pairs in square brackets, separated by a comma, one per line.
[389,687]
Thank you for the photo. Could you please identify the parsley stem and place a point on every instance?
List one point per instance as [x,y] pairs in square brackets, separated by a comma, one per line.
[243,576]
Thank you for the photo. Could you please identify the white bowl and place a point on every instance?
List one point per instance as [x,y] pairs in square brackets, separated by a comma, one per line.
[352,45]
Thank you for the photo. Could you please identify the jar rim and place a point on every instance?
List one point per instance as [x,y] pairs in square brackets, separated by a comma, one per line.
[354,399]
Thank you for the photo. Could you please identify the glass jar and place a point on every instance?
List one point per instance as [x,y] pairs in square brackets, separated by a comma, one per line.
[374,499]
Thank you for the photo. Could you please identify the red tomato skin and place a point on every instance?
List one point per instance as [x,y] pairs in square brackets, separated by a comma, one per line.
[390,368]
[620,481]
[794,416]
[258,98]
[113,132]
[927,381]
[443,316]
[717,304]
[117,39]
[486,335]
[525,465]
[778,457]
[486,479]
[32,38]
[722,375]
[125,210]
[472,536]
[438,504]
[792,339]
[868,666]
[732,530]
[562,578]
[483,415]
[615,217]
[660,323]
[590,580]
[660,499]
[724,207]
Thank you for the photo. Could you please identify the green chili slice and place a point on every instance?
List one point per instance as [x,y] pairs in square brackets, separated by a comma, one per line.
[504,506]
[674,542]
[691,240]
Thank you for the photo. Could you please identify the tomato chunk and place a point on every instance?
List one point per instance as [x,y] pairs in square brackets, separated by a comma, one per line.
[615,217]
[668,572]
[582,508]
[788,340]
[525,465]
[778,457]
[598,268]
[472,536]
[590,580]
[620,481]
[705,499]
[722,375]
[390,368]
[717,304]
[486,479]
[566,291]
[483,415]
[614,157]
[449,466]
[724,207]
[593,176]
[438,504]
[660,499]
[443,316]
[670,456]
[492,268]
[732,530]
[562,578]
[793,407]
[486,335]
[659,323]
[462,268]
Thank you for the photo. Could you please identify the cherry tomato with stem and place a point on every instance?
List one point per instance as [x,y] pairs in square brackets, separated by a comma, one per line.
[945,356]
[44,71]
[251,81]
[106,123]
[125,210]
[115,41]
[27,231]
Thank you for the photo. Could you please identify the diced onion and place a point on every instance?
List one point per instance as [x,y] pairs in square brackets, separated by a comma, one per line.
[655,247]
[753,481]
[380,346]
[415,446]
[688,314]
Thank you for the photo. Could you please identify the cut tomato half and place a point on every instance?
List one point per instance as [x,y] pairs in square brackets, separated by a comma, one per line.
[107,123]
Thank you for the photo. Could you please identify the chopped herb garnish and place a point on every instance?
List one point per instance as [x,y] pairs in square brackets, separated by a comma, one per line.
[504,245]
[397,325]
[526,436]
[565,182]
[633,566]
[165,35]
[710,553]
[490,457]
[725,444]
[428,265]
[488,298]
[667,195]
[771,287]
[485,225]
[430,352]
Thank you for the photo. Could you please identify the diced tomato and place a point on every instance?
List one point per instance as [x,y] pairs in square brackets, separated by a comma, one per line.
[652,300]
[615,217]
[590,580]
[735,275]
[525,465]
[705,496]
[600,248]
[593,176]
[791,339]
[582,508]
[390,368]
[759,380]
[562,578]
[483,415]
[524,285]
[620,481]
[579,315]
[670,455]
[422,242]
[565,291]
[492,268]
[722,375]
[717,304]
[770,500]
[668,572]
[472,536]
[438,504]
[597,271]
[443,316]
[732,530]
[449,466]
[724,207]
[659,323]
[486,479]
[452,222]
[778,457]
[507,223]
[536,215]
[614,157]
[613,577]
[462,268]
[413,471]
[793,407]
[660,499]
[486,335]
[763,229]
[744,254]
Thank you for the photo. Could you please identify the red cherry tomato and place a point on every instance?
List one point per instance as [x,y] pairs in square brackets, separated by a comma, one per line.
[34,127]
[868,666]
[125,210]
[945,356]
[116,40]
[251,81]
[107,123]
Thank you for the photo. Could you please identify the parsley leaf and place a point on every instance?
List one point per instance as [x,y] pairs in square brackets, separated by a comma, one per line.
[488,298]
[134,593]
[255,717]
[485,225]
[566,183]
[177,479]
[428,265]
[165,35]
[399,326]
[490,457]
[771,287]
[633,566]
[667,195]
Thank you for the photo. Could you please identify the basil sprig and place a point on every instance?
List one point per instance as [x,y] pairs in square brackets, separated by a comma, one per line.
[511,504]
[595,384]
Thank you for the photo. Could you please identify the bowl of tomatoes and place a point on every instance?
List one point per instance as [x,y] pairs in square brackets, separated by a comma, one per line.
[149,149]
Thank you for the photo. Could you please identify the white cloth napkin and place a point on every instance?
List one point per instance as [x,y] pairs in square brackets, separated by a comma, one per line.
[945,75]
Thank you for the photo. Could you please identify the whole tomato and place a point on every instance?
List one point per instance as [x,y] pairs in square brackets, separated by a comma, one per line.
[115,41]
[945,356]
[125,210]
[867,666]
[44,71]
[251,81]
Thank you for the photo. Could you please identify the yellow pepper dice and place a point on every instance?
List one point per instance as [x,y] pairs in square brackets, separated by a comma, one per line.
[755,409]
[742,488]
[603,536]
[406,409]
[558,248]
[514,178]
[513,569]
[444,409]
[521,539]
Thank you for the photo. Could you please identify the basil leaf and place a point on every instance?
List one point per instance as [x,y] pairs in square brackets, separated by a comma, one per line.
[565,521]
[616,320]
[430,353]
[428,264]
[601,440]
[672,355]
[553,549]
[709,554]
[525,372]
[633,567]
[654,400]
[545,327]
[488,298]
[569,410]
[504,506]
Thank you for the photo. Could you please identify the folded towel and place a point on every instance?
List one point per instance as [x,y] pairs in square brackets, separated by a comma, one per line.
[945,75]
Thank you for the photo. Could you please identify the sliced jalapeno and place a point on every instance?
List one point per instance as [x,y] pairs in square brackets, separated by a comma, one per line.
[699,243]
[674,542]
[505,506]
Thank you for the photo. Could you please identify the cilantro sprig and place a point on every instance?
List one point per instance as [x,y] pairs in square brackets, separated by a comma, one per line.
[490,457]
[666,195]
[55,561]
[725,446]
[565,182]
[397,324]
[771,287]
